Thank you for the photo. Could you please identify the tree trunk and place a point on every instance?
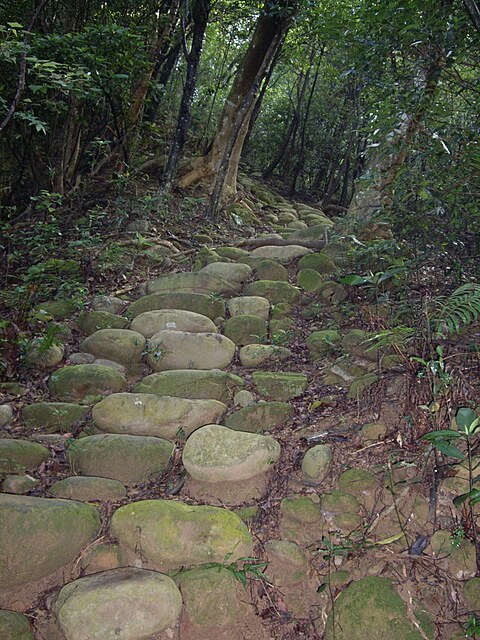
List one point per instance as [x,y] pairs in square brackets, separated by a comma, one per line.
[200,14]
[473,9]
[167,20]
[270,30]
[292,127]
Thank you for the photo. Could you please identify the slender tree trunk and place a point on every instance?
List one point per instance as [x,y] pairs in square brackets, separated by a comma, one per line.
[301,160]
[292,127]
[270,30]
[394,164]
[200,14]
[167,21]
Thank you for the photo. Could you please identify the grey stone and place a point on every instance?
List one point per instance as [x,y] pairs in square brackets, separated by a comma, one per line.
[121,604]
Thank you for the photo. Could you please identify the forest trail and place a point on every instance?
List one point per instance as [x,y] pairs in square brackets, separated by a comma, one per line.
[224,456]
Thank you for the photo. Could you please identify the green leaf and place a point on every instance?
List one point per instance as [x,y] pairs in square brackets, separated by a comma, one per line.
[354,280]
[449,450]
[473,496]
[441,434]
[466,419]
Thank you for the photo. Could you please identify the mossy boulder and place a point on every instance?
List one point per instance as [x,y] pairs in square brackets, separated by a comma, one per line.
[281,310]
[361,384]
[129,459]
[21,455]
[167,534]
[205,305]
[287,564]
[14,626]
[233,253]
[193,282]
[270,270]
[245,329]
[205,256]
[322,343]
[42,356]
[110,304]
[57,309]
[218,454]
[148,414]
[340,502]
[210,596]
[280,385]
[169,350]
[273,291]
[40,535]
[81,381]
[281,330]
[88,489]
[259,417]
[316,462]
[19,484]
[313,232]
[319,262]
[284,255]
[186,383]
[53,416]
[102,557]
[374,431]
[249,305]
[229,271]
[309,280]
[127,603]
[151,322]
[331,293]
[254,355]
[357,342]
[6,415]
[370,606]
[471,593]
[120,345]
[300,510]
[357,482]
[93,321]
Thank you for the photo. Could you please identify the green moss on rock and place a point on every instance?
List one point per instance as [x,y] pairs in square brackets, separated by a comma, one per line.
[93,321]
[280,386]
[274,291]
[40,535]
[77,382]
[168,534]
[53,416]
[194,384]
[206,305]
[129,459]
[21,455]
[245,329]
[371,607]
[14,626]
[309,280]
[209,596]
[259,417]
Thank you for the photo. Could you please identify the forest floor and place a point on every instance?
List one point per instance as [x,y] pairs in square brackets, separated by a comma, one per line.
[363,543]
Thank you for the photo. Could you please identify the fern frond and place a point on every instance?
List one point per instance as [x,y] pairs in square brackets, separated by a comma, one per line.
[387,339]
[459,309]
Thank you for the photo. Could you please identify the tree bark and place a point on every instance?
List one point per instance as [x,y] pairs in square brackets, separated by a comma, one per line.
[200,14]
[292,127]
[270,30]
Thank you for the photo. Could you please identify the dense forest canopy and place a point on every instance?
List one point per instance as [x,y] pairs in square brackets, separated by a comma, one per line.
[362,107]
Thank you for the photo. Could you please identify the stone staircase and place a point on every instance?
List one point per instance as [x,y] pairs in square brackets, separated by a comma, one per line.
[174,467]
